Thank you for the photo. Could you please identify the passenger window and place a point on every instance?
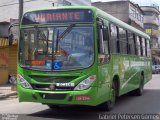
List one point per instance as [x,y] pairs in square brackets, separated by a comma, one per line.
[103,43]
[138,46]
[114,38]
[143,47]
[148,49]
[131,42]
[123,41]
[106,40]
[103,40]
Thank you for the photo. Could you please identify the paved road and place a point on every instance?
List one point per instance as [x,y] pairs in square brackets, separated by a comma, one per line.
[149,103]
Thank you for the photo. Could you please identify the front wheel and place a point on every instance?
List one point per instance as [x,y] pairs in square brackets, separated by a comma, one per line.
[108,106]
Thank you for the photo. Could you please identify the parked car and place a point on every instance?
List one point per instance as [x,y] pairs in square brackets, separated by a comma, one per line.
[155,69]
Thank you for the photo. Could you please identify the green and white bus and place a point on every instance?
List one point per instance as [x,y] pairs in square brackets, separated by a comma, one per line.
[80,55]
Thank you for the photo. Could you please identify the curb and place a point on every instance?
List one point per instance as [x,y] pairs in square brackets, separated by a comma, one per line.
[4,96]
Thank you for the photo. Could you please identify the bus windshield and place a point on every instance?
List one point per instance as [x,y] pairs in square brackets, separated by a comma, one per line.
[57,48]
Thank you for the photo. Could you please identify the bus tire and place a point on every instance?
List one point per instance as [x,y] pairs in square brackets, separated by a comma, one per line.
[109,105]
[139,91]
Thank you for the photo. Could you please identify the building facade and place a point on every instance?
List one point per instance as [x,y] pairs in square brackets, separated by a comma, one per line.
[71,2]
[126,11]
[151,23]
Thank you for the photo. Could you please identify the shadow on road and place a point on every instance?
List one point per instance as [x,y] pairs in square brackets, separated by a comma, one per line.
[149,103]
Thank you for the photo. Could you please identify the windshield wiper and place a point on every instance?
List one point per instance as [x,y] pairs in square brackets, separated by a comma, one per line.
[61,36]
[68,30]
[57,41]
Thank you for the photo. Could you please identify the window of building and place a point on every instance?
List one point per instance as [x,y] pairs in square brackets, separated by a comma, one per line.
[155,17]
[148,13]
[139,16]
[150,26]
[132,12]
[142,18]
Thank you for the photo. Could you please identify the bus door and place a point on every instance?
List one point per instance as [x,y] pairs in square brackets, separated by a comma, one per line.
[103,56]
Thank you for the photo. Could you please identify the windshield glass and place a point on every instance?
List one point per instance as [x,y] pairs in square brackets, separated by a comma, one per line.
[56,48]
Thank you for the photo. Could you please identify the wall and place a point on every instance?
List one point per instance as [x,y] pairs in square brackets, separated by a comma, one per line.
[8,60]
[4,29]
[80,2]
[151,22]
[4,58]
[72,2]
[136,15]
[119,9]
[12,62]
[122,11]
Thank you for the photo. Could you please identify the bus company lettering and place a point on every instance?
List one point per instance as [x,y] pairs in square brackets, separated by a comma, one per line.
[65,84]
[66,16]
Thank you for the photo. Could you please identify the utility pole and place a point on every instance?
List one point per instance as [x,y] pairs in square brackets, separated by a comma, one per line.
[20,9]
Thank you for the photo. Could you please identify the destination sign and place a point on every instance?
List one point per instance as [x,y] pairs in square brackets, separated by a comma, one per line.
[58,16]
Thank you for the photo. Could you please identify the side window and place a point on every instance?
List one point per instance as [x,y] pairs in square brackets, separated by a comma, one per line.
[131,42]
[138,45]
[123,41]
[114,38]
[103,40]
[148,48]
[143,47]
[100,39]
[135,47]
[106,40]
[103,43]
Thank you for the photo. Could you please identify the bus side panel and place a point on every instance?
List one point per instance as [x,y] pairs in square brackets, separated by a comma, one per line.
[148,70]
[104,82]
[128,70]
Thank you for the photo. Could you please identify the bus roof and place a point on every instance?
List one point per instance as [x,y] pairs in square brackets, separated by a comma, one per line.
[101,14]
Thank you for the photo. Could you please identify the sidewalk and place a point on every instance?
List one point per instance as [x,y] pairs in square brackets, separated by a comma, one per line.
[6,91]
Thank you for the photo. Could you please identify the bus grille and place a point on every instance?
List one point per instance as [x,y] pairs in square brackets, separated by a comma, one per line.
[53,79]
[53,96]
[47,87]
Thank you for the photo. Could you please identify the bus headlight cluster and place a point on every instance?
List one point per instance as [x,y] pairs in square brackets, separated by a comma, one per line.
[23,82]
[85,84]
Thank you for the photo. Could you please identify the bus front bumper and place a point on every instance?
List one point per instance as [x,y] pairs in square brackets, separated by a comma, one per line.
[84,97]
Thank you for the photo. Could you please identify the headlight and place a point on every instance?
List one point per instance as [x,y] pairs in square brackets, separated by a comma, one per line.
[85,84]
[23,82]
